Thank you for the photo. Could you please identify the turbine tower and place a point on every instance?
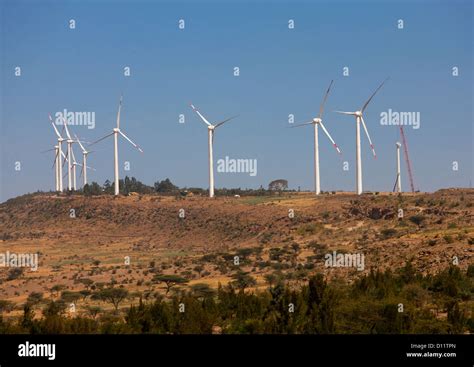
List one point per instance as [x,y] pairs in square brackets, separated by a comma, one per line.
[59,153]
[399,177]
[360,119]
[74,164]
[85,152]
[115,132]
[71,167]
[210,130]
[317,121]
[56,164]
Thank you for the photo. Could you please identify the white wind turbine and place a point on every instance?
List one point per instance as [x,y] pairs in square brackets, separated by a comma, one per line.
[56,164]
[85,152]
[360,119]
[210,130]
[317,121]
[116,131]
[59,153]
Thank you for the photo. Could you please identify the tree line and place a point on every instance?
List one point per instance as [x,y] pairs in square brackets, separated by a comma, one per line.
[403,301]
[130,185]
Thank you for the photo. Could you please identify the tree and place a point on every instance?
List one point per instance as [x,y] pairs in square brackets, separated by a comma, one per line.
[113,295]
[87,282]
[84,294]
[418,219]
[70,297]
[92,189]
[6,306]
[55,289]
[165,186]
[108,188]
[14,273]
[202,290]
[34,298]
[93,311]
[278,185]
[169,280]
[198,269]
[243,280]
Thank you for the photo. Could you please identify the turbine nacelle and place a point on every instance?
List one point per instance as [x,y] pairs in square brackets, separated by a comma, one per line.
[398,144]
[317,120]
[116,130]
[358,113]
[211,127]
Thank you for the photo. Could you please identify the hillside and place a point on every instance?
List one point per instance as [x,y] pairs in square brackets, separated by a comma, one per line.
[201,247]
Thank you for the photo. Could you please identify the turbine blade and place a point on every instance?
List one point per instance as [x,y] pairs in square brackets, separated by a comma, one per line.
[368,136]
[303,124]
[54,126]
[72,156]
[131,142]
[321,108]
[80,144]
[330,138]
[49,150]
[82,171]
[223,122]
[55,159]
[118,113]
[372,96]
[201,116]
[105,137]
[345,113]
[65,157]
[65,127]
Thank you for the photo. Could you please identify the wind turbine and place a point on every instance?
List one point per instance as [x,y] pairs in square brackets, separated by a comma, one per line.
[317,121]
[210,130]
[85,152]
[71,164]
[360,119]
[398,182]
[59,153]
[56,162]
[74,164]
[116,131]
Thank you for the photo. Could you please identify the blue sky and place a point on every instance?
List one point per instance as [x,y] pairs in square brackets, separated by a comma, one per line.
[282,72]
